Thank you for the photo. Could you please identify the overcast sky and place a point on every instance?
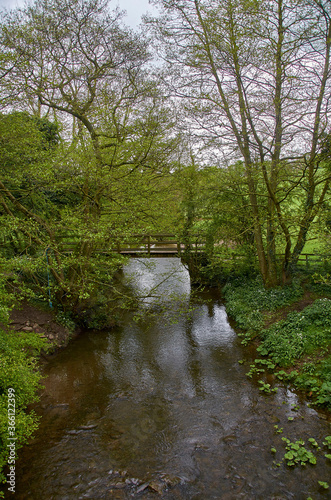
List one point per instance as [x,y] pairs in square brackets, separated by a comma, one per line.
[134,8]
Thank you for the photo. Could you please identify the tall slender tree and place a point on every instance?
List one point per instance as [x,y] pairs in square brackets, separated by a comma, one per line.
[255,77]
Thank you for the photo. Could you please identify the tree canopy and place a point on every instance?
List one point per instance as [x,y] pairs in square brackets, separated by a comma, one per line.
[76,68]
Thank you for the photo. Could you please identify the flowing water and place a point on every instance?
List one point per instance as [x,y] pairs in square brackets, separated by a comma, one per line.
[163,409]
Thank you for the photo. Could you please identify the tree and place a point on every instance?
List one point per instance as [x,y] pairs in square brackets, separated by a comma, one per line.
[75,59]
[255,78]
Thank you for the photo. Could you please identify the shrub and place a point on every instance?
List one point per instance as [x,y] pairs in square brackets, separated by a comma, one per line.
[18,372]
[299,334]
[246,299]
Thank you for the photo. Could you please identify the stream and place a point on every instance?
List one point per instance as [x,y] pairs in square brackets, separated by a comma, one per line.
[161,408]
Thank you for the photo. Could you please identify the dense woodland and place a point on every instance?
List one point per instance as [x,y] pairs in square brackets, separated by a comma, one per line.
[212,122]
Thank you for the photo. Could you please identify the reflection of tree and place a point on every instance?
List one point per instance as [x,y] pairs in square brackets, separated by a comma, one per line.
[136,404]
[161,286]
[76,375]
[195,368]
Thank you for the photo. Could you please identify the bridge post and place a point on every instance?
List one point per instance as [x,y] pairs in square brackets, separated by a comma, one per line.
[178,248]
[149,245]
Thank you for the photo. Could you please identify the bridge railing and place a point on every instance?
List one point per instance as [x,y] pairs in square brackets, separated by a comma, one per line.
[171,244]
[150,243]
[159,243]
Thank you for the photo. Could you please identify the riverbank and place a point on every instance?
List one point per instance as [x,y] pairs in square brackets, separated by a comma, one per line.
[29,318]
[291,328]
[28,335]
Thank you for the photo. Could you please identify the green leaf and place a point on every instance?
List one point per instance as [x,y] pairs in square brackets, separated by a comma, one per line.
[324,484]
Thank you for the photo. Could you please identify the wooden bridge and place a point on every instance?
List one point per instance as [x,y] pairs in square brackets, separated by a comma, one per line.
[150,245]
[156,245]
[169,245]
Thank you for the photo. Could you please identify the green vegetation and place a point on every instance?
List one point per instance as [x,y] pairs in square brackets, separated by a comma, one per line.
[297,454]
[266,388]
[278,430]
[248,299]
[324,484]
[18,372]
[298,346]
[19,383]
[300,334]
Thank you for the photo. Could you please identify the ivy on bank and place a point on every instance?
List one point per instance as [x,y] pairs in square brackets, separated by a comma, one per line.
[302,340]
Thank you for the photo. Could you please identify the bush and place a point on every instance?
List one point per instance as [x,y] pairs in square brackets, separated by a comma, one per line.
[246,299]
[19,374]
[301,333]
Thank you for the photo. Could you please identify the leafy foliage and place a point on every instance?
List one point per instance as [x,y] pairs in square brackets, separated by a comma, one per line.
[247,299]
[19,373]
[297,454]
[299,334]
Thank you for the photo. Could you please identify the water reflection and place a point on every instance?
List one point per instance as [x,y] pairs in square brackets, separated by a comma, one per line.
[164,409]
[152,278]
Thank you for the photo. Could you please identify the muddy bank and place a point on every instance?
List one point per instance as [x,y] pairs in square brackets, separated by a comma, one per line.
[28,318]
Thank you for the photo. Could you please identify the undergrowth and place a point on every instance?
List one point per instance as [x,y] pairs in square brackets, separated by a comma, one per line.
[298,346]
[247,299]
[301,333]
[19,383]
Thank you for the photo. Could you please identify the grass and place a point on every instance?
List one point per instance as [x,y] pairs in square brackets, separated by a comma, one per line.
[314,246]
